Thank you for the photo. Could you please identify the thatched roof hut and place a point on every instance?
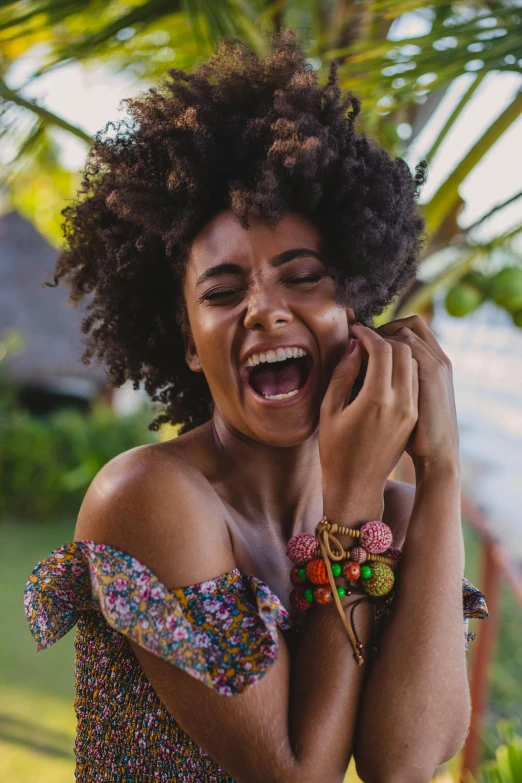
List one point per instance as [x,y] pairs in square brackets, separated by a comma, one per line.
[51,327]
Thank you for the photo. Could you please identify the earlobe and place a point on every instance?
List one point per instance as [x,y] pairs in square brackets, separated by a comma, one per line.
[191,354]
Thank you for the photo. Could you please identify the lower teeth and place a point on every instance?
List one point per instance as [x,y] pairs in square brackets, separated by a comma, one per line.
[281,396]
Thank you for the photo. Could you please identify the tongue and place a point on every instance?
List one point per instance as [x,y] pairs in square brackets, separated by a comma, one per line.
[273,379]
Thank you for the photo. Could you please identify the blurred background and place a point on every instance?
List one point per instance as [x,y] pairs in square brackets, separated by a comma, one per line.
[439,81]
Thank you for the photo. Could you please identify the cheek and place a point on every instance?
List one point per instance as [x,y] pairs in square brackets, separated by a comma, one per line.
[331,324]
[331,329]
[213,335]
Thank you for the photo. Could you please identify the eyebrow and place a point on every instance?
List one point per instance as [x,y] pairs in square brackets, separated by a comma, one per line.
[236,269]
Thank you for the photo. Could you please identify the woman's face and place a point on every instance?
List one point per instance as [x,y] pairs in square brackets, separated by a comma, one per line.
[264,326]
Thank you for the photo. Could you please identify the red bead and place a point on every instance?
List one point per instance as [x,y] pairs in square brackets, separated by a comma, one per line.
[358,555]
[301,548]
[351,571]
[316,572]
[393,554]
[294,576]
[376,537]
[298,600]
[323,595]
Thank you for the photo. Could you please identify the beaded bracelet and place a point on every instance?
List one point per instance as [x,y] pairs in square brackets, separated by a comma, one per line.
[312,556]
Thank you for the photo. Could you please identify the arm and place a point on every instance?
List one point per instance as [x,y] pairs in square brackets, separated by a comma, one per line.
[295,723]
[416,703]
[420,680]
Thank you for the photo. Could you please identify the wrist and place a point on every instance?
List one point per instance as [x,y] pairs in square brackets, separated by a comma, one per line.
[445,468]
[355,509]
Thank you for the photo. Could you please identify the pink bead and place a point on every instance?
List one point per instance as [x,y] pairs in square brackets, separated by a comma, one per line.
[301,548]
[298,600]
[358,555]
[376,537]
[394,554]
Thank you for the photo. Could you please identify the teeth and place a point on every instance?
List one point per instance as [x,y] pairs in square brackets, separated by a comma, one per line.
[281,396]
[279,355]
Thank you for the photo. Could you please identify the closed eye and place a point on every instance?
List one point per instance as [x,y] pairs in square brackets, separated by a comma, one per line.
[313,278]
[222,293]
[219,293]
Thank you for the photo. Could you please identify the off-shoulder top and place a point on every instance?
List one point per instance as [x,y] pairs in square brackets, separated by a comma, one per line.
[222,631]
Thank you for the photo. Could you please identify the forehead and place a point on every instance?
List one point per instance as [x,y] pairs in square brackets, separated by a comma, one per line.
[224,240]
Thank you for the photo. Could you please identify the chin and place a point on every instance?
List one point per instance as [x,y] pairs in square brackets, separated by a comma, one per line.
[285,436]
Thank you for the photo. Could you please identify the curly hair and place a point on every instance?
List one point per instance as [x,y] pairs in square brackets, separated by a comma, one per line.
[260,137]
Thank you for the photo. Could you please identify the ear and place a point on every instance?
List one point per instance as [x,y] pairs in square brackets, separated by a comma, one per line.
[191,354]
[350,314]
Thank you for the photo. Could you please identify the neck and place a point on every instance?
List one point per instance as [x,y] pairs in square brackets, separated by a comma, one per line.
[278,488]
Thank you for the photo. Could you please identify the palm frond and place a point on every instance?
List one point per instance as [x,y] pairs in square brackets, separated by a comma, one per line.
[447,194]
[44,114]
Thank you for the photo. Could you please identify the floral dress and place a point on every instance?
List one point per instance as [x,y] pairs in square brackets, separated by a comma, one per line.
[222,632]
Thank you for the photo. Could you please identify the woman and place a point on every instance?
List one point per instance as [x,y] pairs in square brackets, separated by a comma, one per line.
[236,236]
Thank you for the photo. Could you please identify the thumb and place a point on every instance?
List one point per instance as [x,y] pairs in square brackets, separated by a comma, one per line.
[343,378]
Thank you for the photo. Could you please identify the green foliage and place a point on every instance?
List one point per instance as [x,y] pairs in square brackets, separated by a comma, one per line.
[506,767]
[47,462]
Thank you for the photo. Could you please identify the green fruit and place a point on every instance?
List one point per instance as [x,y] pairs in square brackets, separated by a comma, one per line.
[517,318]
[478,280]
[462,299]
[506,288]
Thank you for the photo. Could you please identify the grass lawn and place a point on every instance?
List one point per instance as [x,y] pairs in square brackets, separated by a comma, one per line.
[37,721]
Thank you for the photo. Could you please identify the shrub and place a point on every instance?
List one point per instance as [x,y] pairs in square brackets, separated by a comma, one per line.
[47,462]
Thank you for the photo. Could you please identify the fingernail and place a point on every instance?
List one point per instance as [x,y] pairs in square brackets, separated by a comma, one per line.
[357,323]
[351,345]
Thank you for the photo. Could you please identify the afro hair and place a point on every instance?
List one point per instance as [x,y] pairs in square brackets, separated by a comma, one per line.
[257,136]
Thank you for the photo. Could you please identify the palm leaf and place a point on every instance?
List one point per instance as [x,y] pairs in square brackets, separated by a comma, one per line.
[44,114]
[447,194]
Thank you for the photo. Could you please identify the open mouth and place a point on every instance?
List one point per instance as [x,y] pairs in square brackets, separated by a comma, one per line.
[281,379]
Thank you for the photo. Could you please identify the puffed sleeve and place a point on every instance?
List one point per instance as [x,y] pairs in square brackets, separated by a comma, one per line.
[222,631]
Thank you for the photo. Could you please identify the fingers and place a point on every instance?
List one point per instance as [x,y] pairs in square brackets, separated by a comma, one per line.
[342,380]
[419,349]
[380,359]
[415,385]
[420,328]
[402,365]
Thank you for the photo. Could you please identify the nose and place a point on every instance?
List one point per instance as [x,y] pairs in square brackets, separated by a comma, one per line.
[266,310]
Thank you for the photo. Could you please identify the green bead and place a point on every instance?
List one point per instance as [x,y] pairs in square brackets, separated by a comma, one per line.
[366,572]
[341,592]
[308,594]
[302,574]
[337,569]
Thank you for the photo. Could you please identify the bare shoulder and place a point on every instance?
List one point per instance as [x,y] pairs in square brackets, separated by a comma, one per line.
[155,505]
[398,504]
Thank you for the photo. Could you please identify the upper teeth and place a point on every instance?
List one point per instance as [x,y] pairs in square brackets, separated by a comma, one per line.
[280,355]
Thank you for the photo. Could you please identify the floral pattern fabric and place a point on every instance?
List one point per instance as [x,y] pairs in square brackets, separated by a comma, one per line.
[222,631]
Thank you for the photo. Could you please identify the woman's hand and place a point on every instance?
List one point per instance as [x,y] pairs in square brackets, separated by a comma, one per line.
[435,439]
[360,443]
